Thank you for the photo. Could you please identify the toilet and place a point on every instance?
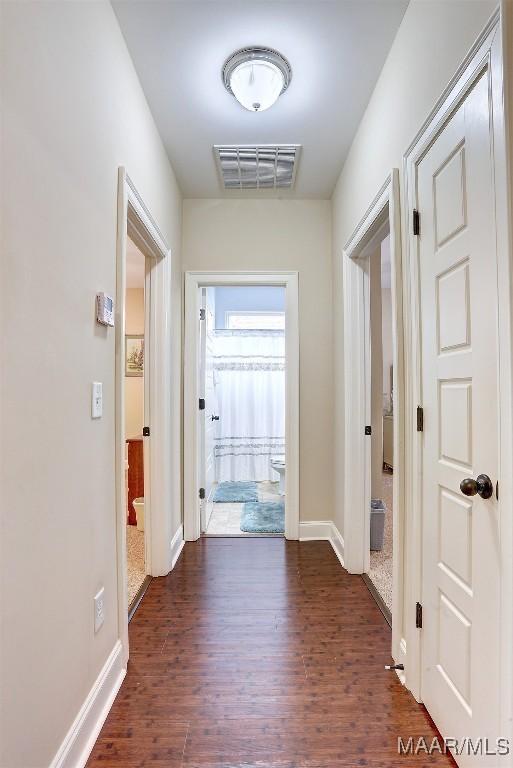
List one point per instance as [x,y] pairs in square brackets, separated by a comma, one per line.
[278,464]
[139,513]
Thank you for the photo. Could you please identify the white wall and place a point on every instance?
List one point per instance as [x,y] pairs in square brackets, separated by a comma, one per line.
[72,111]
[255,234]
[431,42]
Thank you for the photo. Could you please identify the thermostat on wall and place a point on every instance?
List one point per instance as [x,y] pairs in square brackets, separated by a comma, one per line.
[104,309]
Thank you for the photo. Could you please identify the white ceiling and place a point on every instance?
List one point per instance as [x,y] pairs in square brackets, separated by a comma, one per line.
[336,49]
[135,265]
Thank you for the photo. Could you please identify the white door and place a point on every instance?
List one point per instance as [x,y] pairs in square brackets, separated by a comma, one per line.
[210,416]
[458,284]
[148,317]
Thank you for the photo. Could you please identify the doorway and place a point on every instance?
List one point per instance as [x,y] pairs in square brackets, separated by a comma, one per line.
[241,405]
[379,577]
[242,415]
[136,418]
[374,398]
[142,251]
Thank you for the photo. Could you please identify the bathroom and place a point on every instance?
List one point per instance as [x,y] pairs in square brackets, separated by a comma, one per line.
[242,395]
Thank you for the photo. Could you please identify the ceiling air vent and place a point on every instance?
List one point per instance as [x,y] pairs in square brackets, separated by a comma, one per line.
[265,167]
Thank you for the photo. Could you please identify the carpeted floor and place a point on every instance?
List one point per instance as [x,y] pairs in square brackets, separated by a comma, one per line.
[380,572]
[135,560]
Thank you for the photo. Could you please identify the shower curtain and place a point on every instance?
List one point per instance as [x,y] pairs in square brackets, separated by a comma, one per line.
[249,370]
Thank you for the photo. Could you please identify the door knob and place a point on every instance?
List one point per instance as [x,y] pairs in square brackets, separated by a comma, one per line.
[481,485]
[214,418]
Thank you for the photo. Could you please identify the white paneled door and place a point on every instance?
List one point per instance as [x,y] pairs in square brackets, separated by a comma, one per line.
[209,422]
[459,332]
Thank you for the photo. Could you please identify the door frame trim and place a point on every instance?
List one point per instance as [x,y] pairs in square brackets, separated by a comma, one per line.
[194,281]
[202,431]
[486,54]
[135,219]
[384,211]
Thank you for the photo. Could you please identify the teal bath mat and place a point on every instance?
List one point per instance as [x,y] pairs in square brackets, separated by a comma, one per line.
[263,517]
[233,492]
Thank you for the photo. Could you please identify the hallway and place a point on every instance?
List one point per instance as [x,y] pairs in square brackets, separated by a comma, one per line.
[260,652]
[204,201]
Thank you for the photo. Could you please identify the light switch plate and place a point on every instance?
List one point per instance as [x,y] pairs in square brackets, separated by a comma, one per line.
[99,609]
[97,400]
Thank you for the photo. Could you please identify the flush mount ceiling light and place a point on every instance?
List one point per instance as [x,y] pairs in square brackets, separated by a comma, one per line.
[256,77]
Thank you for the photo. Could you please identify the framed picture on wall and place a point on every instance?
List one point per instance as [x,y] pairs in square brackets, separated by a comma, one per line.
[134,355]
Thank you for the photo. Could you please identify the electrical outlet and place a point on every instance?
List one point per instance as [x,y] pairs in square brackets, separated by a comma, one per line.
[99,609]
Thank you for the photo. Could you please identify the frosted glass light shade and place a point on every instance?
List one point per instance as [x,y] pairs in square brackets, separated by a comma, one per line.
[256,77]
[256,84]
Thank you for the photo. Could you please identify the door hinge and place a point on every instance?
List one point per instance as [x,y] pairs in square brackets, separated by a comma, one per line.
[418,616]
[497,490]
[420,418]
[203,314]
[202,404]
[202,493]
[416,222]
[368,430]
[146,431]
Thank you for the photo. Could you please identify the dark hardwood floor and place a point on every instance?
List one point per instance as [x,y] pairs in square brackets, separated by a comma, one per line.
[259,653]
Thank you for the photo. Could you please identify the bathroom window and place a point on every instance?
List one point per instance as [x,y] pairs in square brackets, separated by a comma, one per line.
[241,320]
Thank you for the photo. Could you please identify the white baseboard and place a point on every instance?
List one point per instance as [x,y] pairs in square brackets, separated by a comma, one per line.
[315,530]
[323,530]
[81,737]
[337,542]
[177,544]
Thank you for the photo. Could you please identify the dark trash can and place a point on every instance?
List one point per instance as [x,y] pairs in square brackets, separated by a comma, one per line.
[377,524]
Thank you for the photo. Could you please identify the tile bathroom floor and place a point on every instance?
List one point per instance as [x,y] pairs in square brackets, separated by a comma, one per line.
[225,518]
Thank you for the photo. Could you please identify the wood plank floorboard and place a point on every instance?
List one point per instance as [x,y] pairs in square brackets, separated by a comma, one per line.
[260,653]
